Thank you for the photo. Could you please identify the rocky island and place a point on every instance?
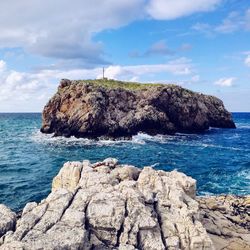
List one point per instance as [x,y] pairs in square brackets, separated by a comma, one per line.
[107,205]
[114,109]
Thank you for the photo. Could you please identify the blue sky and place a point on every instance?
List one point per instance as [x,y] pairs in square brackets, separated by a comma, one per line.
[203,45]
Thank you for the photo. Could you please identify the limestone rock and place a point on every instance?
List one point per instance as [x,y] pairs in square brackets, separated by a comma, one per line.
[68,176]
[111,206]
[7,220]
[227,220]
[90,109]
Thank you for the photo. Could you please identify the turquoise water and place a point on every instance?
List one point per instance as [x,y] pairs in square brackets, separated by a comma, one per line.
[219,159]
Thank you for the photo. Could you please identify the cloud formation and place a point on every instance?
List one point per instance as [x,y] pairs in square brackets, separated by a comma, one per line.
[169,9]
[2,65]
[19,89]
[235,21]
[65,30]
[159,48]
[181,66]
[247,60]
[68,34]
[225,82]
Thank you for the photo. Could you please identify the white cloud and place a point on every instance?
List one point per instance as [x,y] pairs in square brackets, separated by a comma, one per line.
[63,29]
[158,48]
[14,86]
[23,91]
[235,21]
[172,9]
[181,66]
[2,65]
[231,23]
[247,60]
[225,82]
[204,28]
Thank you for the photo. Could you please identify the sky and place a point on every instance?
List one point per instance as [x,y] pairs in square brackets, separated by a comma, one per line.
[202,45]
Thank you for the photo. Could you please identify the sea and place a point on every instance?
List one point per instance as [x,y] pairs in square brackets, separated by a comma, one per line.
[219,159]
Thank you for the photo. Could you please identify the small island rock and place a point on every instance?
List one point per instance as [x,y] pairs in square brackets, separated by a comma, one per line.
[113,109]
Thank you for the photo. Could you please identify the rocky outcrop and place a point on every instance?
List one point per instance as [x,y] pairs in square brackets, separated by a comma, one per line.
[227,220]
[7,220]
[93,109]
[111,206]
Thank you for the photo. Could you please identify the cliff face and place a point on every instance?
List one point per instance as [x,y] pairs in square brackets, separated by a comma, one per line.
[92,109]
[107,205]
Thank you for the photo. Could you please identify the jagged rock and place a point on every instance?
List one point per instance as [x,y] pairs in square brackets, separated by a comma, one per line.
[7,220]
[227,220]
[106,205]
[94,109]
[110,206]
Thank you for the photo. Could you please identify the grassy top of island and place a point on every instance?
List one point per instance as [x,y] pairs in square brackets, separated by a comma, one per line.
[132,86]
[113,84]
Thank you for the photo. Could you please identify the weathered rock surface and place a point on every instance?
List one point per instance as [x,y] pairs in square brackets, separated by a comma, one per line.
[110,206]
[227,220]
[86,109]
[7,220]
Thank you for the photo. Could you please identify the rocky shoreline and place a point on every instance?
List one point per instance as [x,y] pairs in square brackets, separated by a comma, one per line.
[114,109]
[227,220]
[107,205]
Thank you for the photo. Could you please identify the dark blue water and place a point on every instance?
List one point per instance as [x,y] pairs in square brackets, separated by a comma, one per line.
[219,159]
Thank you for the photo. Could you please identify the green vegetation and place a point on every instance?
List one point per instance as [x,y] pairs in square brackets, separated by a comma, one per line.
[110,83]
[115,84]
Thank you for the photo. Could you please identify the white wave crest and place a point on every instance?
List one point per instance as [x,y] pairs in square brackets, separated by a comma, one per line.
[41,138]
[243,125]
[245,174]
[139,139]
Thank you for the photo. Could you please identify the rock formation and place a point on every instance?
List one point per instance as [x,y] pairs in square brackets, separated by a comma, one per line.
[115,109]
[111,206]
[227,220]
[7,220]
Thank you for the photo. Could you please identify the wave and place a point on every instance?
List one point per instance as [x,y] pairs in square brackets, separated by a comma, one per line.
[41,138]
[139,139]
[244,174]
[190,140]
[205,145]
[243,125]
[205,194]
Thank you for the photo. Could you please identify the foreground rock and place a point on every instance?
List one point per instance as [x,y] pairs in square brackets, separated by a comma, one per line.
[227,220]
[110,206]
[7,220]
[114,109]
